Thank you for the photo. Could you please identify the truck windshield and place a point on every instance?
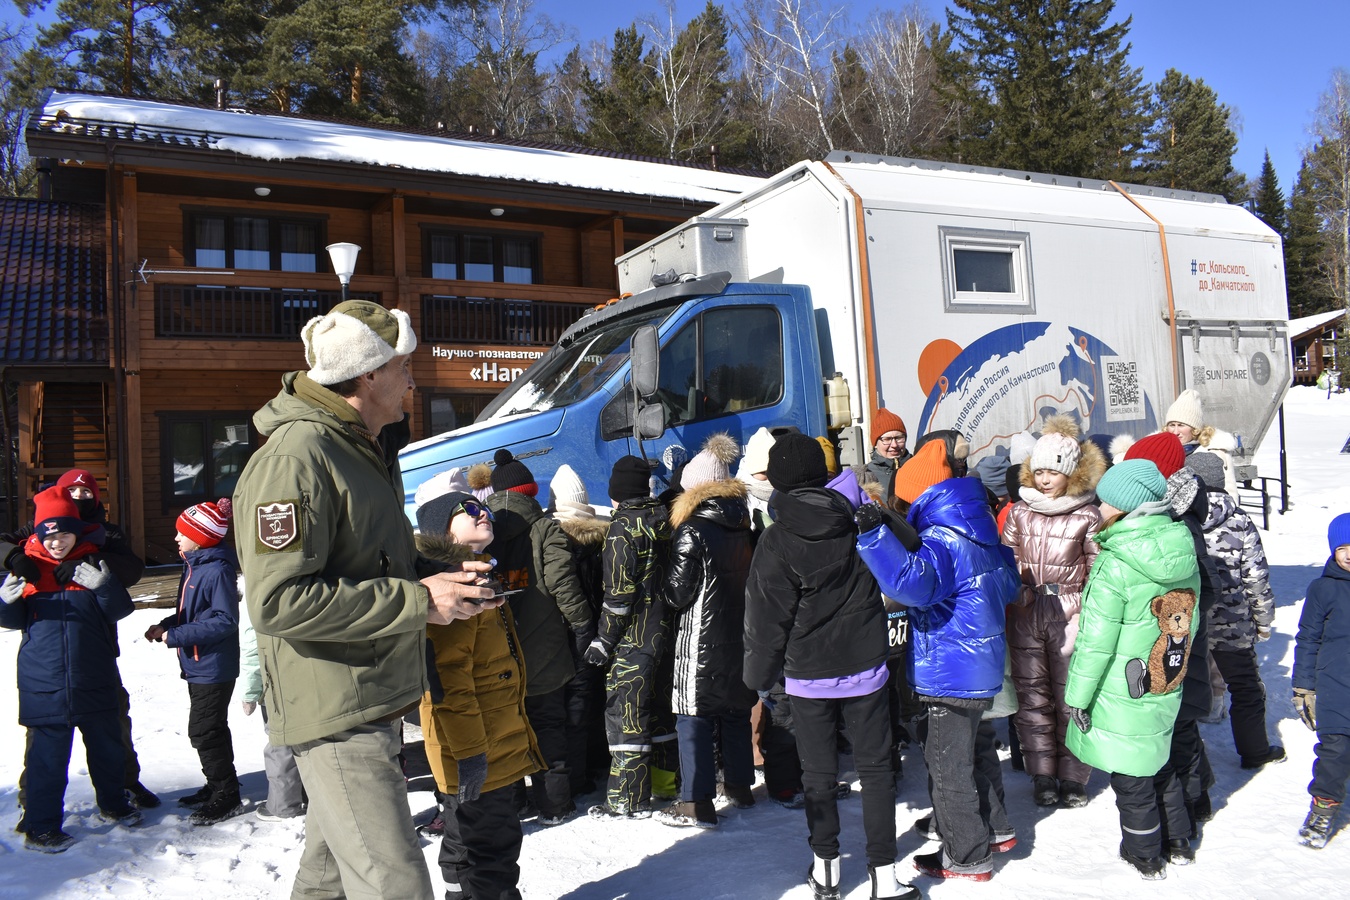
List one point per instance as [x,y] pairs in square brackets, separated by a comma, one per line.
[577,371]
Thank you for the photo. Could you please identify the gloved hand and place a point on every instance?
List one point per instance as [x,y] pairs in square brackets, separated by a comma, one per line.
[767,699]
[64,573]
[1305,704]
[1081,718]
[581,639]
[20,564]
[868,517]
[472,775]
[248,706]
[597,653]
[12,589]
[1263,632]
[90,576]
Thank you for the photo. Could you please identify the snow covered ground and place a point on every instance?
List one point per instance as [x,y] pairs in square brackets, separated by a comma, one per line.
[1248,851]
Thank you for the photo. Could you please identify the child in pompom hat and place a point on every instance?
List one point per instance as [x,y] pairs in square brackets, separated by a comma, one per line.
[67,669]
[1123,687]
[205,632]
[1163,449]
[1050,530]
[1321,681]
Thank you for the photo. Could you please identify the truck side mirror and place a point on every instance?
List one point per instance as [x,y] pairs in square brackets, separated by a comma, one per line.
[650,422]
[646,356]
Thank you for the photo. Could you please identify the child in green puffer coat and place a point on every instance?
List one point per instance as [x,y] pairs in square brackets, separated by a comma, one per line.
[1138,618]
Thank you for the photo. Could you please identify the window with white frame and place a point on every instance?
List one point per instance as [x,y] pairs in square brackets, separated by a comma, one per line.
[985,270]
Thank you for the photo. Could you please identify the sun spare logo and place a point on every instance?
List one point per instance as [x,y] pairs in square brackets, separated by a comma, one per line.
[277,524]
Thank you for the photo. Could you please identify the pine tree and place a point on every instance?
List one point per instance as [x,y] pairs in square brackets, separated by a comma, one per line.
[17,175]
[1268,199]
[619,100]
[690,69]
[1305,252]
[1042,85]
[117,46]
[1189,144]
[227,40]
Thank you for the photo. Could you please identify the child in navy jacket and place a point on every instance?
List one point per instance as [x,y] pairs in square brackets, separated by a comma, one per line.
[67,669]
[205,632]
[1321,681]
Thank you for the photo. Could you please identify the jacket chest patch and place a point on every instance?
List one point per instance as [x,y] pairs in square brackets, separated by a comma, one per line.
[515,579]
[278,526]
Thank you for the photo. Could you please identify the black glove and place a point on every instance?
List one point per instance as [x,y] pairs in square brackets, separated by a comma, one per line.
[581,639]
[1081,718]
[472,775]
[20,564]
[64,570]
[597,652]
[868,517]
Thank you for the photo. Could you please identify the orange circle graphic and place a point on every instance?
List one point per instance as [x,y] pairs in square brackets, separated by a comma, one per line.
[934,360]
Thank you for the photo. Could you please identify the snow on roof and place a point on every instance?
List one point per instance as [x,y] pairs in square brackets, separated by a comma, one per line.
[274,137]
[1308,323]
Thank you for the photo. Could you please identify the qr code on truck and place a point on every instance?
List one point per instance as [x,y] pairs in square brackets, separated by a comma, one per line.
[1124,397]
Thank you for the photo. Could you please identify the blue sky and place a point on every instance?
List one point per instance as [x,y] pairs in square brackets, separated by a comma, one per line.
[1215,40]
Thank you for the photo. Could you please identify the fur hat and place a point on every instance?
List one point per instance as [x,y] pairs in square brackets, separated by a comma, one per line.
[756,458]
[433,516]
[630,479]
[451,479]
[357,337]
[510,474]
[1132,484]
[885,422]
[567,495]
[1208,468]
[56,512]
[712,463]
[206,524]
[1057,452]
[1019,449]
[993,474]
[479,477]
[1187,410]
[796,461]
[1162,449]
[831,458]
[923,470]
[1338,532]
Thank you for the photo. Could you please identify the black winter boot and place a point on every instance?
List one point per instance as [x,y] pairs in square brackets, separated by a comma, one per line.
[1154,868]
[1046,790]
[885,886]
[219,808]
[1316,830]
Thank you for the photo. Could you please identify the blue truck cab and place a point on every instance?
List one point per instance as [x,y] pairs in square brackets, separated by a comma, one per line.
[733,358]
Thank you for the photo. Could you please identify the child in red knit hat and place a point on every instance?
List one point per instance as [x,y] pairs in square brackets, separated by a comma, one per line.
[67,669]
[205,632]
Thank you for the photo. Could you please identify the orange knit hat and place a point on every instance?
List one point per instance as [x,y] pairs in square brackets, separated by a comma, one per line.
[923,470]
[885,421]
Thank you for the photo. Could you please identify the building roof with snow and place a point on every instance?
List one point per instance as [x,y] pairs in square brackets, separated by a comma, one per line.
[1301,326]
[271,137]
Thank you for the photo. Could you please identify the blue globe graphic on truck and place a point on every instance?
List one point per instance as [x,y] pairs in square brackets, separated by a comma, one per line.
[1010,379]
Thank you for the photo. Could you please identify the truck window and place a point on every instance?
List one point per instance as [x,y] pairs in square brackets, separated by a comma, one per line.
[726,361]
[984,270]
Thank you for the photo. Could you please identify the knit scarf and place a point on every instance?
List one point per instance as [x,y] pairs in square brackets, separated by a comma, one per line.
[1056,506]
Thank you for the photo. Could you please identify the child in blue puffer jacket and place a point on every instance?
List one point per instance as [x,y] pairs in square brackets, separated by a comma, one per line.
[67,668]
[205,632]
[955,577]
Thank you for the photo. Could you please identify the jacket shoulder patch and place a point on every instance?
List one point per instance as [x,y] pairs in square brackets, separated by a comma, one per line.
[278,526]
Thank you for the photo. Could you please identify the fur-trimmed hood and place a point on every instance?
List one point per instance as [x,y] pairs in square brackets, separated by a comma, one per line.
[443,548]
[1091,463]
[585,531]
[689,501]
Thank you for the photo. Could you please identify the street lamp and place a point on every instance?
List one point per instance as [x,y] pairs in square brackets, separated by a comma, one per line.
[343,256]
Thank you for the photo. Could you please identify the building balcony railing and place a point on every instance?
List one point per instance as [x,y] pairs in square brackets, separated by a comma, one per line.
[492,320]
[192,311]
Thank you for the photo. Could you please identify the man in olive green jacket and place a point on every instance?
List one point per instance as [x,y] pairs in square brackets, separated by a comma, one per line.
[338,601]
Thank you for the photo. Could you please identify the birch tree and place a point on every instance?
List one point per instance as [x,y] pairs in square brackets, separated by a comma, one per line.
[1329,167]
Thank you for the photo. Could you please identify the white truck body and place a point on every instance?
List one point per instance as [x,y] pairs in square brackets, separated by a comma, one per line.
[984,300]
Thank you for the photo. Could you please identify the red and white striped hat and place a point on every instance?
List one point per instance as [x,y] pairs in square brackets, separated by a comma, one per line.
[206,523]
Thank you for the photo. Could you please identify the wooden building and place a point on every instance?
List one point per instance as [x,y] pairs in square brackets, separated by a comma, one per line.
[1313,340]
[211,226]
